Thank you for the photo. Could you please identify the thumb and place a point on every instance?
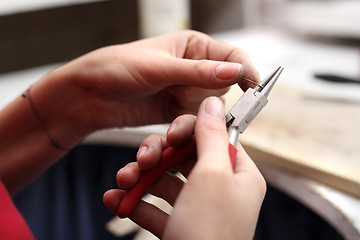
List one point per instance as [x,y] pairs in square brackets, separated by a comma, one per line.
[211,135]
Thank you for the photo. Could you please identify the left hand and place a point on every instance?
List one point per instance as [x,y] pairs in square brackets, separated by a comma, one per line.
[153,80]
[144,82]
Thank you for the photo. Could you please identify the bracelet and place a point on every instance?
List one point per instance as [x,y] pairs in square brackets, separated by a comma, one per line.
[53,142]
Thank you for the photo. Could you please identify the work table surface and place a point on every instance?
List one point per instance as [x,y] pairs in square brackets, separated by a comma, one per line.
[308,135]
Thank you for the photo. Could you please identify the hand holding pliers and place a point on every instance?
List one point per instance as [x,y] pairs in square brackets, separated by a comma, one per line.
[237,120]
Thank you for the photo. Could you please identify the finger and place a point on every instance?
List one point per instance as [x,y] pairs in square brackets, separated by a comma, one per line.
[250,76]
[211,135]
[150,151]
[180,130]
[247,173]
[169,185]
[150,218]
[112,198]
[195,95]
[201,46]
[145,214]
[167,188]
[188,98]
[186,166]
[178,134]
[127,176]
[202,73]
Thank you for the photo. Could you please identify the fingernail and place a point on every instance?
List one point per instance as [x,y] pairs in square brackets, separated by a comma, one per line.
[171,128]
[227,71]
[215,107]
[141,152]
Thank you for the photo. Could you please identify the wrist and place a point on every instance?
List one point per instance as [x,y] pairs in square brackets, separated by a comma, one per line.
[57,102]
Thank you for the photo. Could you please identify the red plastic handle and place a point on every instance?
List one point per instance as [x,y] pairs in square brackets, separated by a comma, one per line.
[169,158]
[232,153]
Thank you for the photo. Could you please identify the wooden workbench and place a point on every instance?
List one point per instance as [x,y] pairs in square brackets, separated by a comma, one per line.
[308,147]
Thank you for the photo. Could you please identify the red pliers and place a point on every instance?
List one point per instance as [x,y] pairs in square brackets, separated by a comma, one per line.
[237,120]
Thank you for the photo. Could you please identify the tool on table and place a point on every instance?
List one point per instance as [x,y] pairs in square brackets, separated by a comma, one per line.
[237,120]
[336,78]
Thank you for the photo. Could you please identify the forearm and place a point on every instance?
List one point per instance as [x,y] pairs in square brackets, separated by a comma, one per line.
[25,149]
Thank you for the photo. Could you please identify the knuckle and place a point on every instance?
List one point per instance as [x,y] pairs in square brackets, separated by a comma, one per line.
[202,68]
[205,70]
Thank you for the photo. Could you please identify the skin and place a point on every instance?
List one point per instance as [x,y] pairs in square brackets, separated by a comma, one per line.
[216,202]
[144,82]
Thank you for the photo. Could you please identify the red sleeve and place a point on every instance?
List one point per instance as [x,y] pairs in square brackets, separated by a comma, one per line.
[12,224]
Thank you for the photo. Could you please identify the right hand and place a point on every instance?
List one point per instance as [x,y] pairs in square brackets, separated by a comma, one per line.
[216,202]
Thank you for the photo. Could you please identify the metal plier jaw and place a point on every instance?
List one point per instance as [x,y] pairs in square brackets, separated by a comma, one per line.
[249,105]
[252,101]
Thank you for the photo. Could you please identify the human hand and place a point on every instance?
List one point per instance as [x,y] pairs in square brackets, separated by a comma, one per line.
[217,202]
[153,80]
[144,82]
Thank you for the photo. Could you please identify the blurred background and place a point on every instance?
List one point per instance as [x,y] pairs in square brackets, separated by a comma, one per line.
[317,41]
[35,32]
